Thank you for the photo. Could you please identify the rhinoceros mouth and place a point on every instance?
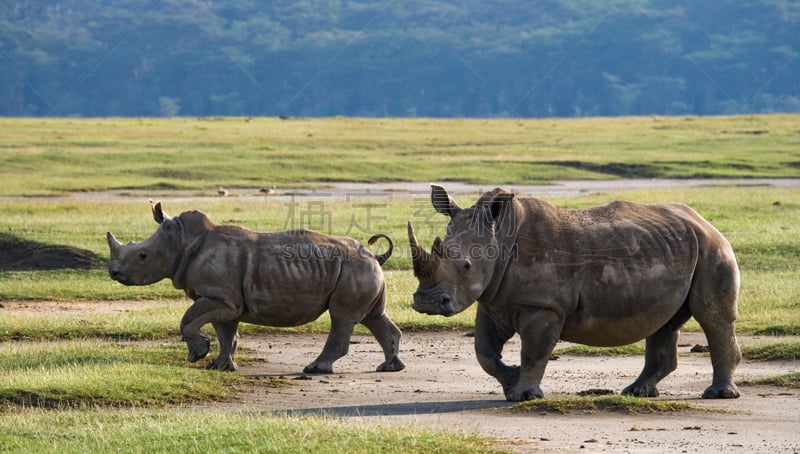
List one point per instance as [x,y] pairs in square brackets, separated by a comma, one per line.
[436,304]
[119,277]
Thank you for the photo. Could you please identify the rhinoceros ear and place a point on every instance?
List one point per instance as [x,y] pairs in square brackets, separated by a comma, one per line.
[158,213]
[498,202]
[442,202]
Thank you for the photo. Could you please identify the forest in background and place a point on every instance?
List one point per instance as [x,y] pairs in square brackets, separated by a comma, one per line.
[381,58]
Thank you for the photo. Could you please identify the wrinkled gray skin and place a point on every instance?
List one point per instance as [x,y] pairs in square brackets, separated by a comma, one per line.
[277,279]
[605,276]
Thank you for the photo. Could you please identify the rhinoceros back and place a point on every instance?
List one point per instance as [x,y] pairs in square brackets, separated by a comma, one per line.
[291,275]
[618,265]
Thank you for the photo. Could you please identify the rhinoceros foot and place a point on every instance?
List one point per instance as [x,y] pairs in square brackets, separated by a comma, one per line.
[223,363]
[318,368]
[639,390]
[721,392]
[392,365]
[198,347]
[519,394]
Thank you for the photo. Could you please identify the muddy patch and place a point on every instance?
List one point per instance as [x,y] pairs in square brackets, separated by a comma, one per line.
[18,254]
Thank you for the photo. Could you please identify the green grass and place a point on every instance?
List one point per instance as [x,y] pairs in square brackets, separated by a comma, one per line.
[772,351]
[155,321]
[767,351]
[91,373]
[764,236]
[790,380]
[51,156]
[585,350]
[617,403]
[142,431]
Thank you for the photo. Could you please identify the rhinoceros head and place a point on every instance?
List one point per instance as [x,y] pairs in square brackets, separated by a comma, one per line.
[458,270]
[151,260]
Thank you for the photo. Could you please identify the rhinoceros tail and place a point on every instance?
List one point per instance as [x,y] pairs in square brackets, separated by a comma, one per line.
[385,256]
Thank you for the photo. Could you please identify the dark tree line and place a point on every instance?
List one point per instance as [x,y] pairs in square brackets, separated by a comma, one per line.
[441,58]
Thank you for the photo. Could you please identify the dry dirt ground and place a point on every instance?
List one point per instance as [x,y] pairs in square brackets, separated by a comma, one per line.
[398,190]
[444,388]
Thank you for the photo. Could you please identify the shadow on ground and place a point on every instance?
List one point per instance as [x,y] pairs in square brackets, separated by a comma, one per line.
[410,408]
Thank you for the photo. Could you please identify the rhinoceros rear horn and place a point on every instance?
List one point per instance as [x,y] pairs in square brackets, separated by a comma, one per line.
[437,249]
[425,264]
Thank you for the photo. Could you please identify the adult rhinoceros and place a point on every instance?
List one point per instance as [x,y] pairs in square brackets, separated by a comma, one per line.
[278,279]
[604,276]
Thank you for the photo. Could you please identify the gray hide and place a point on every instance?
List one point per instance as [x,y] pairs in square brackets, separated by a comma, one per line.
[605,276]
[277,279]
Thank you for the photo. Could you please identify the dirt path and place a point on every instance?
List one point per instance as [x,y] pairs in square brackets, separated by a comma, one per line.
[443,387]
[401,190]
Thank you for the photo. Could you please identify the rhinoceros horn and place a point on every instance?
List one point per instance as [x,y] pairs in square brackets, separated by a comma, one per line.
[113,244]
[425,263]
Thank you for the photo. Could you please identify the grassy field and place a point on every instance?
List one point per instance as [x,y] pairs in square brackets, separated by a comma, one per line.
[139,393]
[51,156]
[764,236]
[148,431]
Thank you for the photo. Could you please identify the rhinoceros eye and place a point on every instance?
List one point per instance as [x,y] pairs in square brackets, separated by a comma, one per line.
[466,265]
[142,255]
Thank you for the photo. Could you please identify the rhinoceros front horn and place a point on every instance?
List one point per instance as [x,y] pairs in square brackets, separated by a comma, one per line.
[113,244]
[425,263]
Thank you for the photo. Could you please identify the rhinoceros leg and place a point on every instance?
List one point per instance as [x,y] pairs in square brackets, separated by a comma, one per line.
[661,356]
[713,302]
[489,341]
[539,331]
[203,311]
[719,327]
[228,336]
[336,346]
[388,335]
[725,356]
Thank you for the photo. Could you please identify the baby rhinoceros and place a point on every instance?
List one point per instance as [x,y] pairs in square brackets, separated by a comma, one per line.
[278,279]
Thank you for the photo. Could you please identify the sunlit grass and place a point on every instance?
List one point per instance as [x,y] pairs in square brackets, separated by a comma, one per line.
[184,153]
[585,350]
[87,365]
[764,237]
[772,351]
[616,403]
[92,373]
[790,380]
[230,431]
[155,321]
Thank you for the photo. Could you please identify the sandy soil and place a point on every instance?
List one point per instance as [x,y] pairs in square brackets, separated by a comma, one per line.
[443,387]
